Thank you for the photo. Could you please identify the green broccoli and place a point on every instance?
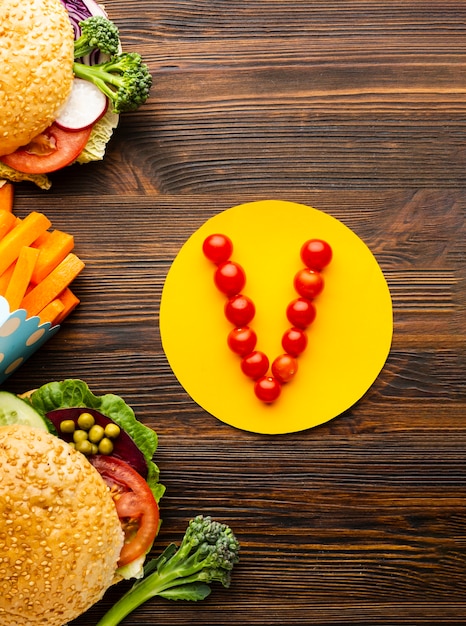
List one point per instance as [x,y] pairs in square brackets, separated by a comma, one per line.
[207,553]
[124,79]
[97,33]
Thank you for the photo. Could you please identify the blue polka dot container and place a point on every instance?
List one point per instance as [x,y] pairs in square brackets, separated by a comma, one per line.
[19,337]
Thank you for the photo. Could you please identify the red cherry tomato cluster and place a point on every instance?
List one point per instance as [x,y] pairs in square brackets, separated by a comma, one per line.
[309,283]
[230,279]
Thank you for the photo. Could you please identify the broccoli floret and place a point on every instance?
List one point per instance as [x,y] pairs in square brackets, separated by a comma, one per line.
[97,33]
[207,553]
[124,79]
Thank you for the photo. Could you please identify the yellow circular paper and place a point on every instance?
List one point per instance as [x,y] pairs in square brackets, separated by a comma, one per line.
[348,343]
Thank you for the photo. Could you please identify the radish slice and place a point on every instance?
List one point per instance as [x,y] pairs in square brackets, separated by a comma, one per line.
[85,106]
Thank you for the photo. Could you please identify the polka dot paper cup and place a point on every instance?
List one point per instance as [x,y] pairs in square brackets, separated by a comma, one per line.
[19,337]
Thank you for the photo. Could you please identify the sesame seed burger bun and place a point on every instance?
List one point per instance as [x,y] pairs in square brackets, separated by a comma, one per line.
[36,57]
[60,536]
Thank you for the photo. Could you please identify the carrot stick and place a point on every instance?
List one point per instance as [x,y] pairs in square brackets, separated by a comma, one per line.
[23,234]
[69,301]
[47,290]
[41,239]
[21,276]
[7,221]
[51,312]
[53,246]
[5,279]
[6,196]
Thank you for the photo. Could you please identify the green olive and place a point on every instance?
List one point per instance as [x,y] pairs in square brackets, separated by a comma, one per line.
[96,433]
[86,421]
[105,446]
[95,448]
[112,431]
[80,435]
[84,446]
[67,426]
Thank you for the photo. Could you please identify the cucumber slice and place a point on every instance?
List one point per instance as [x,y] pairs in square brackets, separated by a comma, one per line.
[14,410]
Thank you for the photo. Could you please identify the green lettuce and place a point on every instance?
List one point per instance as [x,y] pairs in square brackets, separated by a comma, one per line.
[9,173]
[73,393]
[101,134]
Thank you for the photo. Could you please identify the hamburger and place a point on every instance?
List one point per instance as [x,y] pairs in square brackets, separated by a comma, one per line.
[54,110]
[72,523]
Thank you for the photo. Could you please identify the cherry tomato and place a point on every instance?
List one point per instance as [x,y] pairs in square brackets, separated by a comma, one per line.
[242,340]
[135,504]
[217,248]
[255,364]
[240,310]
[294,341]
[50,151]
[316,254]
[267,389]
[301,312]
[284,367]
[308,283]
[229,278]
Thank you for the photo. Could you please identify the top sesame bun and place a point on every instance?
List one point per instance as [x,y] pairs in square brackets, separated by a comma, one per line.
[36,57]
[60,536]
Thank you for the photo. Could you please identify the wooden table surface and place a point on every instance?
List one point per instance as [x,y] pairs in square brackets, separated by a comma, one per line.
[354,107]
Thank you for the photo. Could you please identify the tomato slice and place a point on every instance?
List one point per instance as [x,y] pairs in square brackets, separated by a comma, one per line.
[135,504]
[50,151]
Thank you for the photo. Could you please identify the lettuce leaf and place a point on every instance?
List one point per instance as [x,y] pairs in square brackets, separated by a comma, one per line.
[9,173]
[76,393]
[101,134]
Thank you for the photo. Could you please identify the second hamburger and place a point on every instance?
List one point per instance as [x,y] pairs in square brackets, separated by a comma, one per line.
[71,523]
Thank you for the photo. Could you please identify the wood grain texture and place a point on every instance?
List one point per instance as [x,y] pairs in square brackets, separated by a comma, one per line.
[357,108]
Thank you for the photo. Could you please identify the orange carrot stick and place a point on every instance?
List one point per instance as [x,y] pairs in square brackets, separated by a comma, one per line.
[47,290]
[69,301]
[23,234]
[5,279]
[21,276]
[7,221]
[53,246]
[41,239]
[51,312]
[6,196]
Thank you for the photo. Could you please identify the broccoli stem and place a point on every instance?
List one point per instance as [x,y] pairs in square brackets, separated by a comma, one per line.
[153,585]
[130,601]
[99,77]
[124,79]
